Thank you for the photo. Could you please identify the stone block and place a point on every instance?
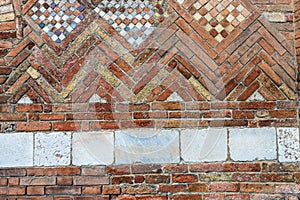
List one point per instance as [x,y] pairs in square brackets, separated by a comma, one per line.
[93,148]
[16,150]
[205,145]
[53,149]
[288,144]
[251,144]
[147,146]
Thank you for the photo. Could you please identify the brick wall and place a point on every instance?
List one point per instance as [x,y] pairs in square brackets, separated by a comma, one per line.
[259,180]
[107,83]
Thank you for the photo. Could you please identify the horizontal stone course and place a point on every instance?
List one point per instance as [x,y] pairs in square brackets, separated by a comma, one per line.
[149,146]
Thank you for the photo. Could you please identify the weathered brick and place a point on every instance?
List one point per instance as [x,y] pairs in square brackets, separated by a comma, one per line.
[256,187]
[35,190]
[90,180]
[38,181]
[111,190]
[63,190]
[184,178]
[91,190]
[157,179]
[139,189]
[224,187]
[64,180]
[172,188]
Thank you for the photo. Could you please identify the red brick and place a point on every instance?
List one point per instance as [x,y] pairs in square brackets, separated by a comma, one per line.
[118,170]
[242,167]
[256,187]
[172,188]
[146,169]
[64,180]
[122,179]
[3,181]
[3,191]
[157,179]
[184,178]
[12,117]
[257,105]
[13,181]
[167,106]
[297,177]
[198,187]
[35,171]
[243,114]
[151,197]
[66,126]
[91,190]
[237,196]
[186,197]
[33,126]
[286,177]
[90,180]
[11,172]
[206,167]
[94,170]
[63,190]
[104,125]
[51,117]
[139,189]
[244,177]
[35,190]
[37,181]
[223,187]
[62,171]
[16,191]
[111,189]
[126,197]
[173,168]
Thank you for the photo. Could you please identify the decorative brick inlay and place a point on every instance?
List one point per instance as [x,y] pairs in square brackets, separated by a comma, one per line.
[134,20]
[218,17]
[179,77]
[57,18]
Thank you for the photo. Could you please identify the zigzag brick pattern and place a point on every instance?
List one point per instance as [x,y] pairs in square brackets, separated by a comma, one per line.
[152,64]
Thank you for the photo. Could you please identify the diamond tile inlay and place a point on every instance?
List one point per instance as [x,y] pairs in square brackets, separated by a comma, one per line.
[57,18]
[218,17]
[134,20]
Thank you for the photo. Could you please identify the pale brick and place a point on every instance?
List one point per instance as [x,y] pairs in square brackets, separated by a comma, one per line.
[288,144]
[252,144]
[52,149]
[204,145]
[94,148]
[16,149]
[274,16]
[147,146]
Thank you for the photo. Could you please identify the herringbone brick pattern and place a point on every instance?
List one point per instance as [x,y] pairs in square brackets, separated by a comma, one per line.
[165,63]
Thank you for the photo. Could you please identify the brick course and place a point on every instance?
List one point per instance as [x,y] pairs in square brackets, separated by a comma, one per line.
[280,183]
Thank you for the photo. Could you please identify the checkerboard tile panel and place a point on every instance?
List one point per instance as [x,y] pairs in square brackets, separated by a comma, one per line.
[57,18]
[218,17]
[133,20]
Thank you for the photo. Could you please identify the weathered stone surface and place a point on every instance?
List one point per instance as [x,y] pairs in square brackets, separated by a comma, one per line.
[252,144]
[52,149]
[93,148]
[147,146]
[204,145]
[16,150]
[288,144]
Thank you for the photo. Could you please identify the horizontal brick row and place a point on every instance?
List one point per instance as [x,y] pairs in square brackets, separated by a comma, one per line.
[70,117]
[141,181]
